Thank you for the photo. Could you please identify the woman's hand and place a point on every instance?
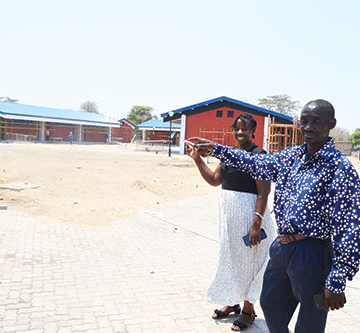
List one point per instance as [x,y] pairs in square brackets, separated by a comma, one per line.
[191,150]
[255,235]
[204,146]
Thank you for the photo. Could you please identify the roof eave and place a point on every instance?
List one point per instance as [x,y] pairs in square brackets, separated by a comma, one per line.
[167,129]
[128,122]
[58,120]
[177,112]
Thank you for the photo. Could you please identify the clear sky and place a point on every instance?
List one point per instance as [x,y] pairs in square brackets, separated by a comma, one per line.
[170,54]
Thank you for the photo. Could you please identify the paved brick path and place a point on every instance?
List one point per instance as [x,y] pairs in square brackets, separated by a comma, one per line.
[145,274]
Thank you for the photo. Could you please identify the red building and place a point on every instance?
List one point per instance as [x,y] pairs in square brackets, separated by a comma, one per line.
[37,123]
[157,130]
[213,119]
[124,132]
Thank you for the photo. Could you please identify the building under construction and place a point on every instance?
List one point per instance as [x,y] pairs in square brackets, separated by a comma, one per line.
[281,136]
[20,122]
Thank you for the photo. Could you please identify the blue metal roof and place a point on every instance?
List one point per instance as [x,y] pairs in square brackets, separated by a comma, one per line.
[158,123]
[127,121]
[50,114]
[231,100]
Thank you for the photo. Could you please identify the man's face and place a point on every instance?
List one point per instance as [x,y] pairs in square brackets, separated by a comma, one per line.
[315,125]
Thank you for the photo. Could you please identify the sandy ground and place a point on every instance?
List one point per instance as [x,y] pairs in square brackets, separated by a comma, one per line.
[95,185]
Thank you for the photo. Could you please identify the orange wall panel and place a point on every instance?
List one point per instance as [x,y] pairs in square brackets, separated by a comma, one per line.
[207,121]
[124,132]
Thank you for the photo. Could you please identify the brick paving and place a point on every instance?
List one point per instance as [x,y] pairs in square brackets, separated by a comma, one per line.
[143,274]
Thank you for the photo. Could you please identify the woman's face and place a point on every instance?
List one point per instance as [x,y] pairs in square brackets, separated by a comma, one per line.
[243,133]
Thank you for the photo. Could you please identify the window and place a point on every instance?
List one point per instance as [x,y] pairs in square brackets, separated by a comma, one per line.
[230,114]
[219,114]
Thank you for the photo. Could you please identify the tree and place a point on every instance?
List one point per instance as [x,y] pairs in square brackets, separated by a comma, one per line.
[340,134]
[89,107]
[8,100]
[139,114]
[355,137]
[281,104]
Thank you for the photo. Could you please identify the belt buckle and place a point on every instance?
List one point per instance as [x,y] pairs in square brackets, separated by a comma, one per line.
[283,235]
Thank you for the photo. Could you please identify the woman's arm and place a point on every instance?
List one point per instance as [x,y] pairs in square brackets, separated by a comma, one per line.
[211,177]
[259,166]
[263,188]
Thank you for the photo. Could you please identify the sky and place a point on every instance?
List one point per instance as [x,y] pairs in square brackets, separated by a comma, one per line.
[170,54]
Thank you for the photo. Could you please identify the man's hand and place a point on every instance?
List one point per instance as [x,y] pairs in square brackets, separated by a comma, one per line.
[204,146]
[333,301]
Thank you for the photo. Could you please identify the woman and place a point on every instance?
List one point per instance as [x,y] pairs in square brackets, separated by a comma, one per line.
[242,210]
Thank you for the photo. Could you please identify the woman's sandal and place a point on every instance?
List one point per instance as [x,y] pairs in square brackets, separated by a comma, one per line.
[218,314]
[242,326]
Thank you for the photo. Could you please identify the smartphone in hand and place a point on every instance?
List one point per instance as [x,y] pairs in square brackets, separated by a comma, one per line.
[319,301]
[246,238]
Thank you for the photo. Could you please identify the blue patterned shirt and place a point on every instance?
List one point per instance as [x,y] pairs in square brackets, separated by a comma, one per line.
[319,198]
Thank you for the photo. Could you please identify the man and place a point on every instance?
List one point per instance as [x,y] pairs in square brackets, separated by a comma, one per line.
[47,133]
[317,209]
[71,137]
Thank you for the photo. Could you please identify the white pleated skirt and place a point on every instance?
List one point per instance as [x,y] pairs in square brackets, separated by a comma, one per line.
[239,269]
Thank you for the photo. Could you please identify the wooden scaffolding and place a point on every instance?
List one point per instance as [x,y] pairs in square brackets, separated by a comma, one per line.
[279,136]
[282,136]
[216,135]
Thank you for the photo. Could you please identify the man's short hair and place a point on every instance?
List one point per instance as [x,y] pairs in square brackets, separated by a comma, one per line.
[323,105]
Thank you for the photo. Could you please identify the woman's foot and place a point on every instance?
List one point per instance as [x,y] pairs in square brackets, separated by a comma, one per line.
[243,321]
[225,311]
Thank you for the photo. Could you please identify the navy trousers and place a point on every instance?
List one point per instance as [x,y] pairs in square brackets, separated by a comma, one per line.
[294,274]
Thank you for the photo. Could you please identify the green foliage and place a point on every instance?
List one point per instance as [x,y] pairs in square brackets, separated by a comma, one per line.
[281,104]
[139,114]
[340,134]
[355,137]
[89,107]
